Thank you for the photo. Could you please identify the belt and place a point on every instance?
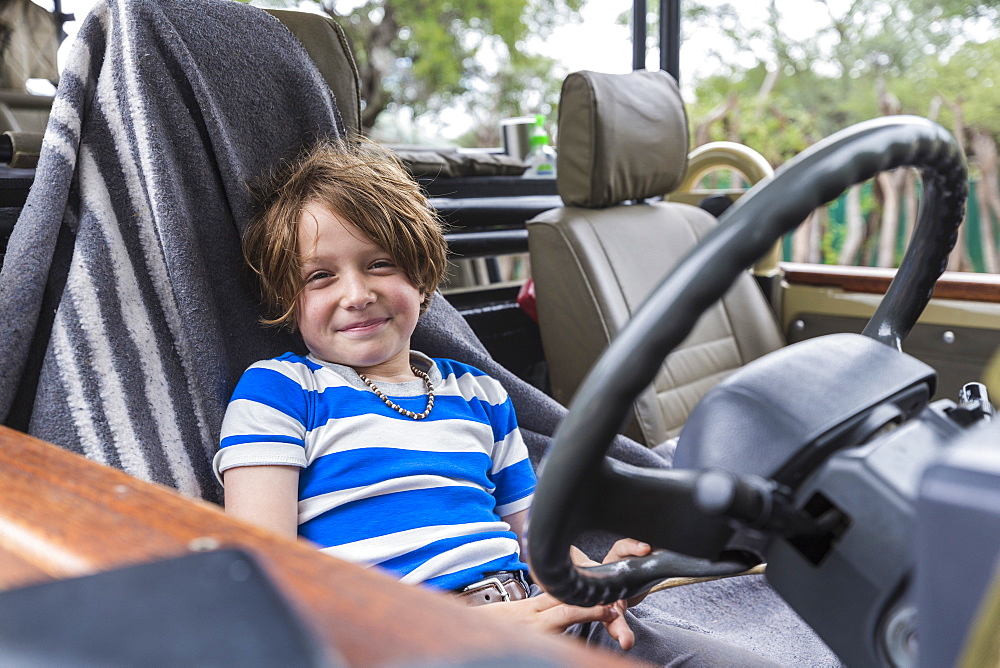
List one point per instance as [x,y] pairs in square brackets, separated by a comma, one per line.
[504,586]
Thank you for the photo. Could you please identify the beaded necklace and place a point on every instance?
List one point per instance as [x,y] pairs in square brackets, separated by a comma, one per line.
[396,407]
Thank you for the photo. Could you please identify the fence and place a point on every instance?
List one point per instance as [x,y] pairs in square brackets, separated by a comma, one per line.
[834,234]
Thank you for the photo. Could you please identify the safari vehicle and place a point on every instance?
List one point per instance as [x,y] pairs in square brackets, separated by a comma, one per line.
[860,474]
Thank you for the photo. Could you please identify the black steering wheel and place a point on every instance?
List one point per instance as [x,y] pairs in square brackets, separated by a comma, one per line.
[580,490]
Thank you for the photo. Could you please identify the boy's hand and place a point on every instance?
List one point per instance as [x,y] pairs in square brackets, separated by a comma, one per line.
[546,613]
[626,547]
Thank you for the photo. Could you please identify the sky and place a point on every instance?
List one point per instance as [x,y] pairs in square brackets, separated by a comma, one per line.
[79,8]
[596,42]
[573,45]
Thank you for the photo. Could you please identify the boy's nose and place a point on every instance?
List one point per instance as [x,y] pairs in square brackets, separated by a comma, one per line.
[357,292]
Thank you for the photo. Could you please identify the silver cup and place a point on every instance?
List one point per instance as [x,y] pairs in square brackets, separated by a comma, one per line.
[516,135]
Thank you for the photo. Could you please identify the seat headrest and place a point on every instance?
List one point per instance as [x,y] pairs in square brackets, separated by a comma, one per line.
[325,42]
[621,137]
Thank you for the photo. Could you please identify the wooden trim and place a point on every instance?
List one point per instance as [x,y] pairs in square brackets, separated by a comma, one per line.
[952,284]
[64,516]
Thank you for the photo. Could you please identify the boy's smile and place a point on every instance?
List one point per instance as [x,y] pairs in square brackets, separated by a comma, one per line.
[357,307]
[364,328]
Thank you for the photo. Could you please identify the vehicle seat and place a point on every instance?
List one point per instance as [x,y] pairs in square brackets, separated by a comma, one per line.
[623,139]
[325,42]
[29,42]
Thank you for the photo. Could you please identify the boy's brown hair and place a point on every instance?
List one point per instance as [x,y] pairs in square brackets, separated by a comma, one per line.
[365,184]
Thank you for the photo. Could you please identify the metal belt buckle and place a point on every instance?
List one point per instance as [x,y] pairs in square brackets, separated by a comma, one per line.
[491,582]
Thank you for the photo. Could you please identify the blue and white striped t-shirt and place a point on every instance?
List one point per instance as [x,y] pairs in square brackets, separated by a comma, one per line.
[422,499]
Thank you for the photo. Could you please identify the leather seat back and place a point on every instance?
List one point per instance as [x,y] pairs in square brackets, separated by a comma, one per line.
[622,140]
[325,42]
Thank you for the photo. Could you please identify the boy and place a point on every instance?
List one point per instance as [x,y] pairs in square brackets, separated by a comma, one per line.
[377,453]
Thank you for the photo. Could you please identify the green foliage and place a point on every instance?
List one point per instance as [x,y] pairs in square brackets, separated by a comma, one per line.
[427,55]
[972,76]
[874,57]
[530,86]
[918,48]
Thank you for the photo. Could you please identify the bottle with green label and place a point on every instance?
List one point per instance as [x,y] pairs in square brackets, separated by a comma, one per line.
[541,158]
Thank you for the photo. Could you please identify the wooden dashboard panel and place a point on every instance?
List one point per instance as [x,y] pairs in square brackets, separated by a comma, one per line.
[951,285]
[63,516]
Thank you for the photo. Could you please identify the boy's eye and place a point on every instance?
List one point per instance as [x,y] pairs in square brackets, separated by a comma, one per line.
[383,264]
[318,276]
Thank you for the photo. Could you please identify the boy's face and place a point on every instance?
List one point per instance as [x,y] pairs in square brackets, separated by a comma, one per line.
[357,307]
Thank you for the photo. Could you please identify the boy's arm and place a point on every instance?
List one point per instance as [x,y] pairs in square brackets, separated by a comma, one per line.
[264,495]
[517,521]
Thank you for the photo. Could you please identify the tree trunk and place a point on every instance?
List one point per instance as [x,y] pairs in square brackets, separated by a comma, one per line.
[768,86]
[959,259]
[373,55]
[702,132]
[888,104]
[984,149]
[891,184]
[854,234]
[868,248]
[800,241]
[817,229]
[807,238]
[911,203]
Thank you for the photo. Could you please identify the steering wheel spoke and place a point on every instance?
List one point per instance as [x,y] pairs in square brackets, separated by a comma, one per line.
[622,498]
[630,495]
